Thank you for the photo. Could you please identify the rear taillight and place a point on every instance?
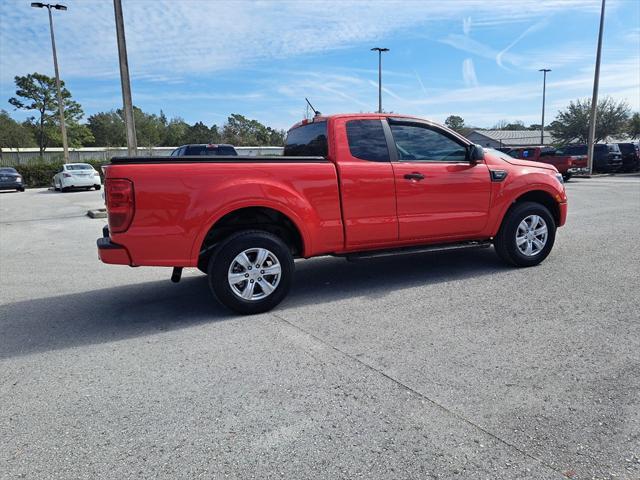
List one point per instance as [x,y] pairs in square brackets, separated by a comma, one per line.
[121,204]
[67,175]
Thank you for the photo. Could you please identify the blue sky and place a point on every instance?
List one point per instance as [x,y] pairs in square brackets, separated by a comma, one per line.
[203,60]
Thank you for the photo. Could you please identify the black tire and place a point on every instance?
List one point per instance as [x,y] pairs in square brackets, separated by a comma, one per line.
[505,241]
[224,256]
[203,265]
[20,189]
[97,187]
[64,189]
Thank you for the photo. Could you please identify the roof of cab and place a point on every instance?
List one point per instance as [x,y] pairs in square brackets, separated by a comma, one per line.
[324,118]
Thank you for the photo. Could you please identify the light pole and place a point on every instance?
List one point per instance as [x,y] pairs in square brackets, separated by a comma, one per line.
[379,50]
[132,143]
[594,97]
[63,127]
[544,92]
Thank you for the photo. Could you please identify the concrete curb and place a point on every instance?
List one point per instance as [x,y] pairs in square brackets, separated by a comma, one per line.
[97,213]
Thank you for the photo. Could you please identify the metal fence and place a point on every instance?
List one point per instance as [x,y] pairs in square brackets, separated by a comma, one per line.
[25,156]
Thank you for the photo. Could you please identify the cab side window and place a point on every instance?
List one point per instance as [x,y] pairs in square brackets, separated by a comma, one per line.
[367,141]
[415,142]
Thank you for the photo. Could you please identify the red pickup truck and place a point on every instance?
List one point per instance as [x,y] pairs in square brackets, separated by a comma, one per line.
[357,185]
[567,165]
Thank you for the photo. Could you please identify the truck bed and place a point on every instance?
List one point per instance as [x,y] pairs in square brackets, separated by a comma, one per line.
[177,200]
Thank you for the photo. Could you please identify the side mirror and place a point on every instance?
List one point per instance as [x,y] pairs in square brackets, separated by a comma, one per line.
[474,153]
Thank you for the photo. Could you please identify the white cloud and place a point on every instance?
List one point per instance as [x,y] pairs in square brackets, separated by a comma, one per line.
[190,37]
[469,45]
[170,42]
[469,73]
[531,29]
[466,25]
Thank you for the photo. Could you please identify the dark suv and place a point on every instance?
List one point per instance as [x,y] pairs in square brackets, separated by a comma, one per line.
[204,149]
[606,156]
[630,157]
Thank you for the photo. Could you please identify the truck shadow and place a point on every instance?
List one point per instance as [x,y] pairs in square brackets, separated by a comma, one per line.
[119,313]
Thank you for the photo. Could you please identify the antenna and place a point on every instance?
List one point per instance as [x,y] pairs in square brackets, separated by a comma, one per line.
[316,112]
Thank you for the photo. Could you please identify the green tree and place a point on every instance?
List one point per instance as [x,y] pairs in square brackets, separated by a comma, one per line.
[633,129]
[198,133]
[454,122]
[572,123]
[149,128]
[216,134]
[276,137]
[14,134]
[237,130]
[175,133]
[37,92]
[78,135]
[107,129]
[242,131]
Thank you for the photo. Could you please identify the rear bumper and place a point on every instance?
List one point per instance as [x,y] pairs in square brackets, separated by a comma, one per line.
[74,182]
[112,253]
[11,185]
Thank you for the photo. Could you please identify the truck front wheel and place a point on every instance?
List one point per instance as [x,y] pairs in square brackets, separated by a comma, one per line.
[251,271]
[526,236]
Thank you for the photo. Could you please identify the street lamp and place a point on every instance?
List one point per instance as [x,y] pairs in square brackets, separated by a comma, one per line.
[544,91]
[63,128]
[379,50]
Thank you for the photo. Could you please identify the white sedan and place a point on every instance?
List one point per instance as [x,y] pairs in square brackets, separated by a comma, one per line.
[76,175]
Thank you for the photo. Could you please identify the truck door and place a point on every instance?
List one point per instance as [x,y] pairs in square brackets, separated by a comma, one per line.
[440,194]
[367,186]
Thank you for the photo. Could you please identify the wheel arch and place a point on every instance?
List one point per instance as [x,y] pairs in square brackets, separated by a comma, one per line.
[539,196]
[255,217]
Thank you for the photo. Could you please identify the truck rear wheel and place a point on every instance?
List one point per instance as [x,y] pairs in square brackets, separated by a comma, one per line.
[251,271]
[526,236]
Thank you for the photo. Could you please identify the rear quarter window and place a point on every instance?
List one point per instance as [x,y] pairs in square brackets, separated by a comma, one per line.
[308,140]
[367,141]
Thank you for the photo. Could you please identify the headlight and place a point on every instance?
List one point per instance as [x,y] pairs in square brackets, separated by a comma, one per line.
[18,179]
[559,178]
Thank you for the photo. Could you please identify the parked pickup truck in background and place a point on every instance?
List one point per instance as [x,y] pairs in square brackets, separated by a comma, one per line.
[359,186]
[567,165]
[606,156]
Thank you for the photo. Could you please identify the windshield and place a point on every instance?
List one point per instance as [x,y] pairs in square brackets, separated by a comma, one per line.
[78,166]
[6,170]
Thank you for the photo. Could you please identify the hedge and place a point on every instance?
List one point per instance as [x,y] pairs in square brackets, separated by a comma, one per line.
[41,174]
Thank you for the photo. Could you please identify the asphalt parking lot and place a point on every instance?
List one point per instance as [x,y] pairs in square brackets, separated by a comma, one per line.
[433,366]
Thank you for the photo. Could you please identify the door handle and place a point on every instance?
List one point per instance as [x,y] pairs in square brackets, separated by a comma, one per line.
[414,176]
